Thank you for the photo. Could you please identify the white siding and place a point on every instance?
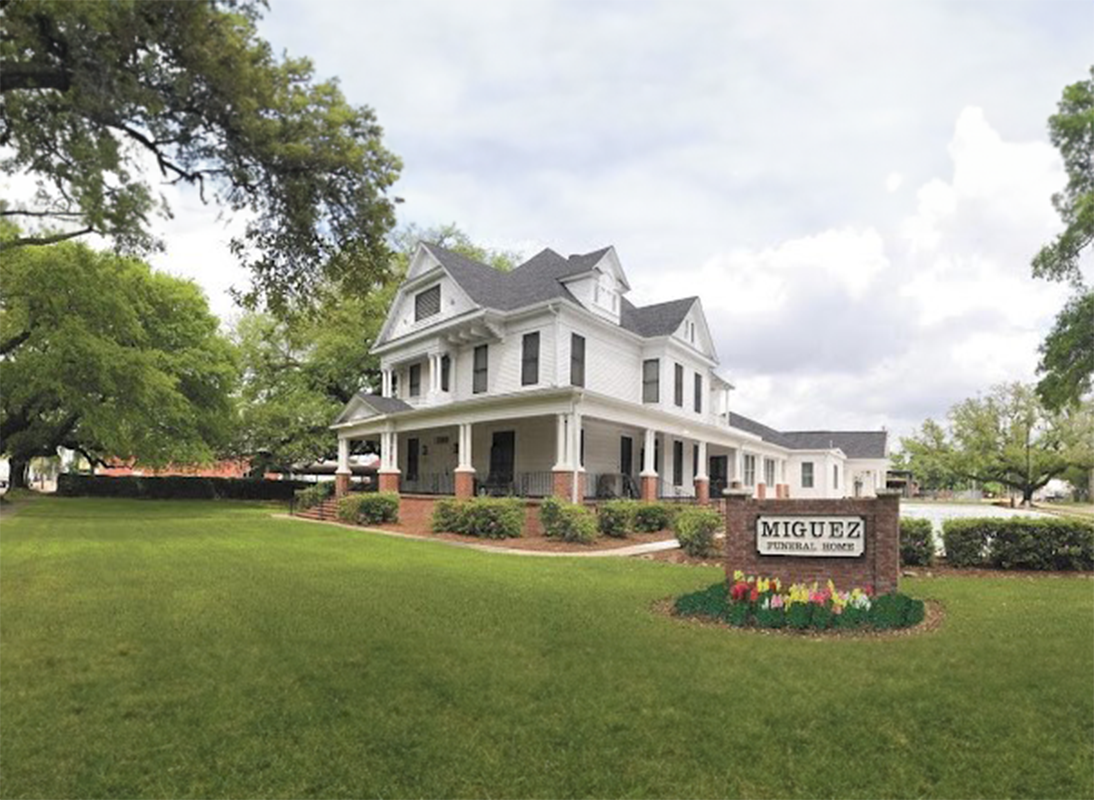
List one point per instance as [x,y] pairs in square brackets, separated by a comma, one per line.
[453,303]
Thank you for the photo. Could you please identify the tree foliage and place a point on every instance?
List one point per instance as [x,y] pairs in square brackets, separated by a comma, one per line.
[1007,437]
[101,355]
[92,92]
[1067,354]
[928,454]
[301,370]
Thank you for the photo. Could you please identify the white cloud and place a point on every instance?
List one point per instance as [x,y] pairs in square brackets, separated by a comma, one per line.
[893,182]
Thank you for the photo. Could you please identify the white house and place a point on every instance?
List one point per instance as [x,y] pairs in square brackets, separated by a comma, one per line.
[547,380]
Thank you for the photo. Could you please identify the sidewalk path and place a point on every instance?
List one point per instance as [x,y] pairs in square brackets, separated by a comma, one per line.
[633,550]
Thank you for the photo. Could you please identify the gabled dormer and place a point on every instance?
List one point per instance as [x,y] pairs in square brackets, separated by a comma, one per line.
[694,331]
[429,295]
[598,283]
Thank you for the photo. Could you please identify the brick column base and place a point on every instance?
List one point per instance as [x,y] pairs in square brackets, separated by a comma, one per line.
[562,484]
[702,491]
[649,488]
[389,482]
[341,484]
[465,483]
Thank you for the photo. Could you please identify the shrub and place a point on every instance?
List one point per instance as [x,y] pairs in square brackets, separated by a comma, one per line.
[569,522]
[652,517]
[485,517]
[709,602]
[549,511]
[491,517]
[965,541]
[916,542]
[314,495]
[695,528]
[369,509]
[448,516]
[616,517]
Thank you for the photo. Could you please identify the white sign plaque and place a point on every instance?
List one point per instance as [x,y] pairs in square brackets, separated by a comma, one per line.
[810,536]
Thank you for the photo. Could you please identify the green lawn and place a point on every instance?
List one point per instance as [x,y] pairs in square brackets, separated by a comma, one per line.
[197,649]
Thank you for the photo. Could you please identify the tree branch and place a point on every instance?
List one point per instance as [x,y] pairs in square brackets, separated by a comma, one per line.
[13,342]
[38,240]
[33,76]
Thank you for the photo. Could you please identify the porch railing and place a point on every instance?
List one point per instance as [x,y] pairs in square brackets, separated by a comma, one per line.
[429,483]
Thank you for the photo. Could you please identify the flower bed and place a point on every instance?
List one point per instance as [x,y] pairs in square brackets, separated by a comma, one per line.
[766,603]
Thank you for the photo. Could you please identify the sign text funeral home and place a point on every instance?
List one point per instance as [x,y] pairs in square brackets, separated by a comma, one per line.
[810,536]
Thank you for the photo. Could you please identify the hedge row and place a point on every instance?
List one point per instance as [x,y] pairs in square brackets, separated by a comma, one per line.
[1019,543]
[176,487]
[569,522]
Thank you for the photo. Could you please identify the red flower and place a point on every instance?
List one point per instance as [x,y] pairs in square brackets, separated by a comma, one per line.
[754,595]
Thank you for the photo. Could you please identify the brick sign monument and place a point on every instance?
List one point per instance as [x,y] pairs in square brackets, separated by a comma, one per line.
[853,541]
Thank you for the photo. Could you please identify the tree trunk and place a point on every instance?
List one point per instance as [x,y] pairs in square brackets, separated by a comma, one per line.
[1027,496]
[17,473]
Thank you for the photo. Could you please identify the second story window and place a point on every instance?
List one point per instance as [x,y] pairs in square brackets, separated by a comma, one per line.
[835,476]
[769,471]
[577,360]
[651,380]
[446,372]
[427,303]
[478,382]
[678,386]
[698,393]
[529,360]
[807,474]
[750,470]
[414,378]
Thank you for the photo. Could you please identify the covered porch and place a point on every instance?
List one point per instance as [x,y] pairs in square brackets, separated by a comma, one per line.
[566,445]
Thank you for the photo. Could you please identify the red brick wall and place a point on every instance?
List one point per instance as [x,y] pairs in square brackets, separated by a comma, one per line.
[878,566]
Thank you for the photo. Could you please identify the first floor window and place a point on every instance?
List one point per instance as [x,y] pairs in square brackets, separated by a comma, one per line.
[415,380]
[478,383]
[677,463]
[694,460]
[769,471]
[651,380]
[750,470]
[807,474]
[529,369]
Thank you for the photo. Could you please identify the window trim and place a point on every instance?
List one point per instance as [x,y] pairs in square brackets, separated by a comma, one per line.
[477,371]
[529,361]
[574,363]
[651,387]
[812,475]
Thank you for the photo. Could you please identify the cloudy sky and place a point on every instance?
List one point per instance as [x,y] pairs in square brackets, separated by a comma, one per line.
[854,189]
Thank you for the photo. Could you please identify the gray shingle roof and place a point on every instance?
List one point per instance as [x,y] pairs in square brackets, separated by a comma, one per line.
[539,279]
[854,444]
[660,319]
[385,405]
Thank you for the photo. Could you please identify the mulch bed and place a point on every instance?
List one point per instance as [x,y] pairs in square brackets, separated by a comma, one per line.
[534,541]
[935,614]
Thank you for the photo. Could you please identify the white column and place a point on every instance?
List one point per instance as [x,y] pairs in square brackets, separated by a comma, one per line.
[465,462]
[739,465]
[561,462]
[648,470]
[701,475]
[385,383]
[343,456]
